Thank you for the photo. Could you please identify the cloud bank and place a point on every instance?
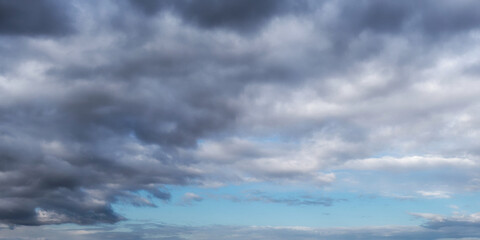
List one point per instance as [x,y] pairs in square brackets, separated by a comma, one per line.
[109,102]
[434,229]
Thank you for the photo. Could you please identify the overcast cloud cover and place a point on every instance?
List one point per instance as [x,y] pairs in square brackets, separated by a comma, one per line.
[116,102]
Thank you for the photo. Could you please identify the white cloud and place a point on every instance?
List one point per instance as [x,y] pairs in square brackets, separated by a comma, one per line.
[456,218]
[411,162]
[429,216]
[434,194]
[189,198]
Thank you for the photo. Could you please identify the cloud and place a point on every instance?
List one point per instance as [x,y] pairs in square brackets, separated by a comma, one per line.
[429,216]
[456,226]
[145,94]
[36,18]
[256,161]
[189,198]
[434,194]
[146,231]
[406,163]
[302,200]
[293,201]
[238,15]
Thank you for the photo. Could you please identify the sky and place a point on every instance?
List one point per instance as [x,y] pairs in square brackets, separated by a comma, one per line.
[239,119]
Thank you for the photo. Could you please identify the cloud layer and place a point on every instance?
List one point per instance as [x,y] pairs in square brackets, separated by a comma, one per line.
[109,102]
[435,229]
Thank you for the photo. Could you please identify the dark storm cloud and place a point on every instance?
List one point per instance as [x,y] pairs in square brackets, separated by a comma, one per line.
[447,17]
[113,114]
[375,15]
[35,17]
[246,15]
[41,188]
[429,21]
[433,18]
[92,137]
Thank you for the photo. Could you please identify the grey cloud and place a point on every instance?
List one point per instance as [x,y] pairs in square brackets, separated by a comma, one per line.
[293,201]
[245,16]
[93,119]
[446,17]
[33,18]
[461,227]
[158,231]
[377,16]
[464,225]
[432,18]
[79,144]
[71,167]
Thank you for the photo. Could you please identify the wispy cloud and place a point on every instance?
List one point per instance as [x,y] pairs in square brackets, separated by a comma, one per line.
[408,163]
[434,194]
[189,198]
